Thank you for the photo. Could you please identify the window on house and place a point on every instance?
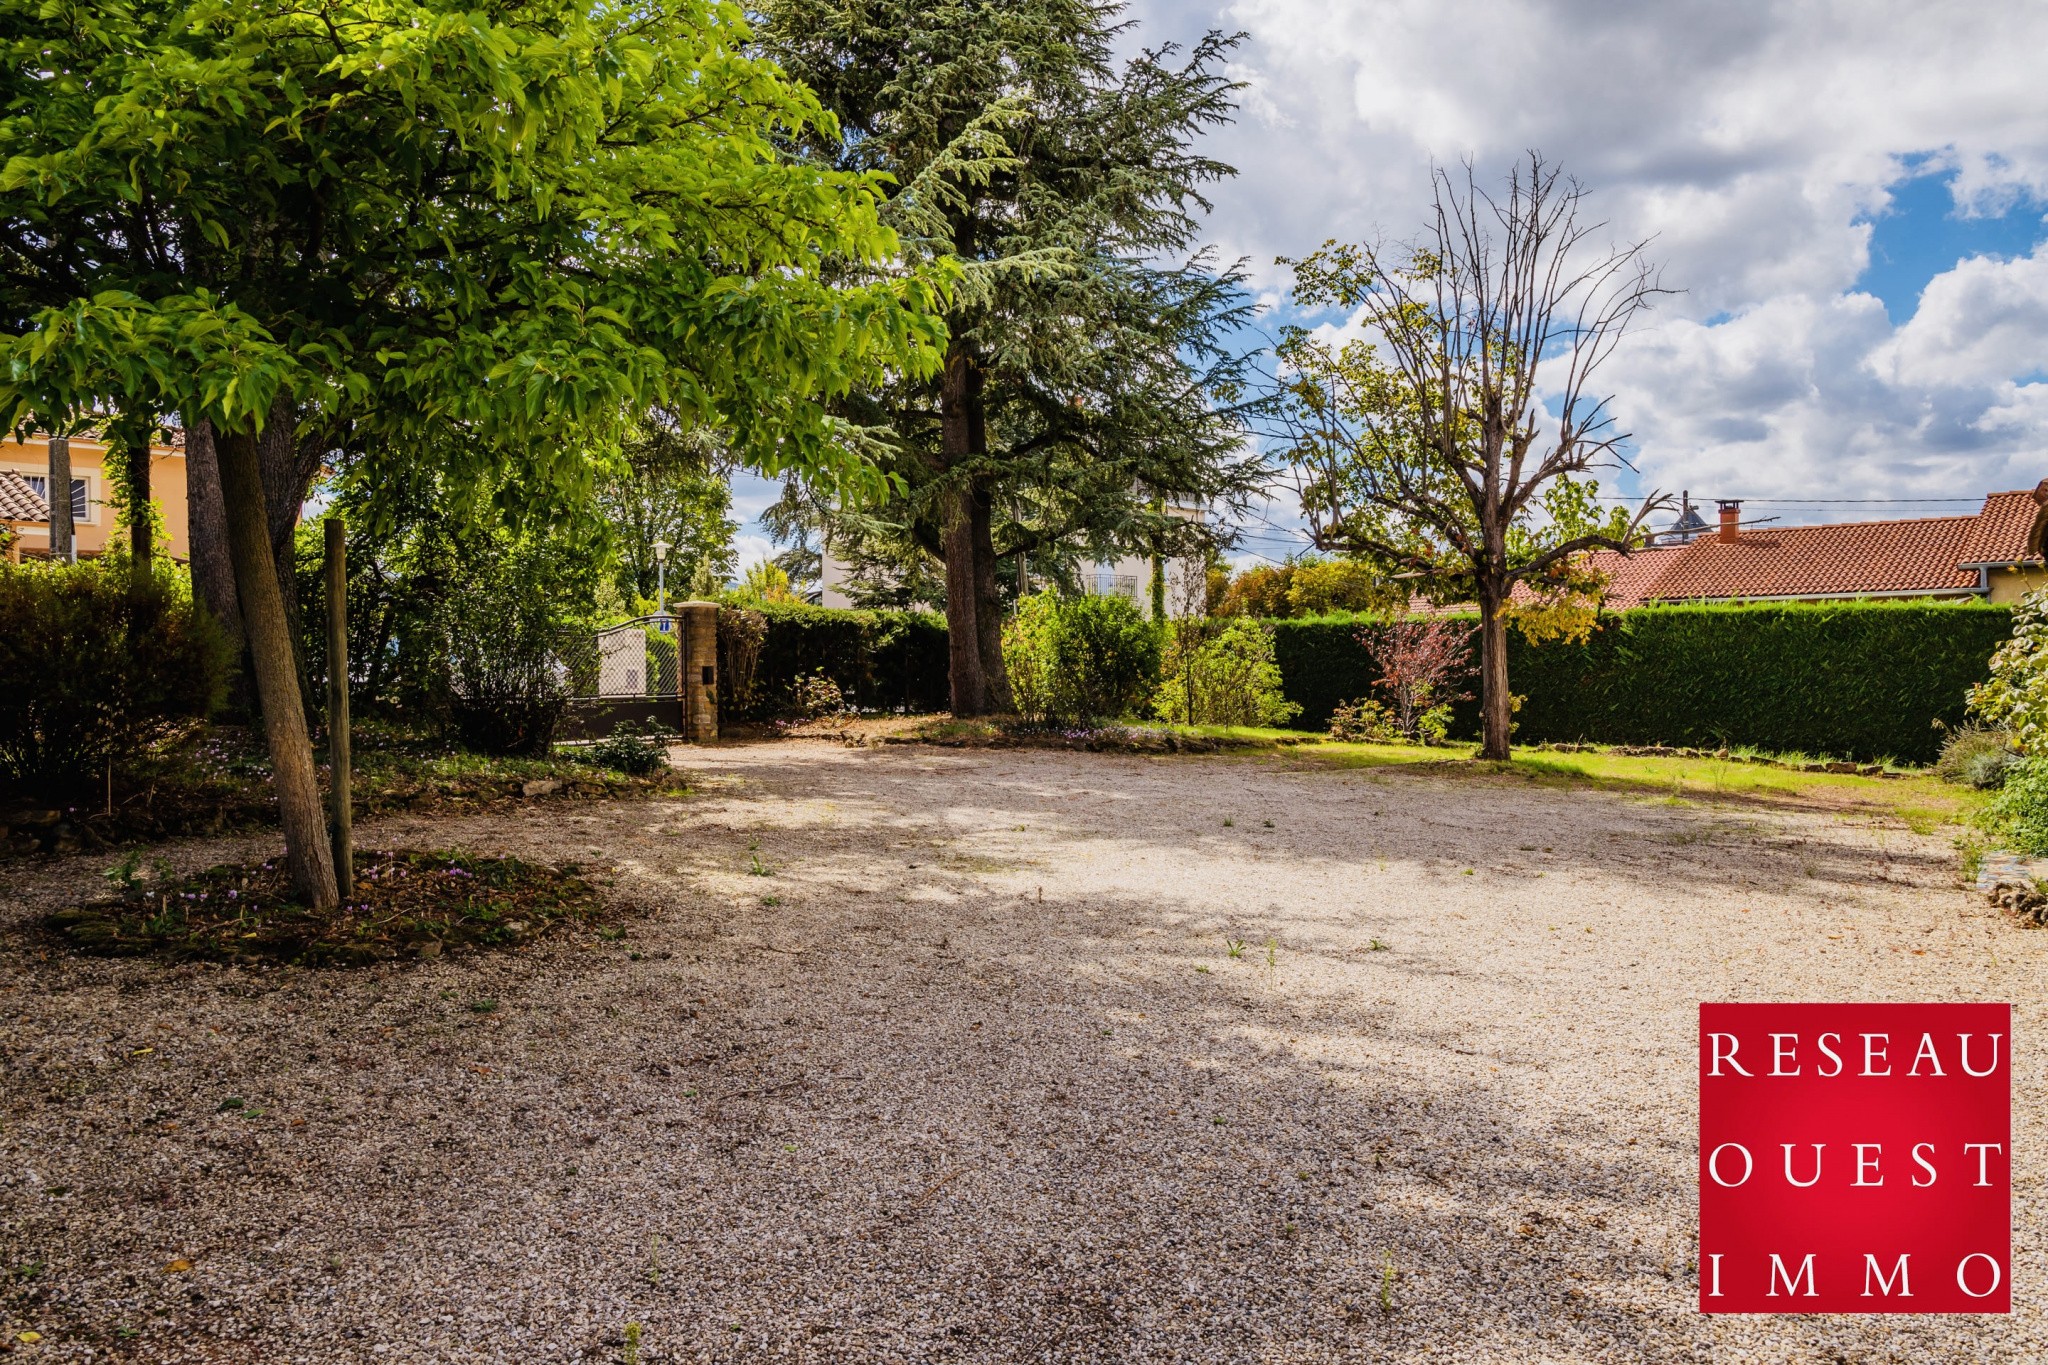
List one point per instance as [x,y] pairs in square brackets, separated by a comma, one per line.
[81,506]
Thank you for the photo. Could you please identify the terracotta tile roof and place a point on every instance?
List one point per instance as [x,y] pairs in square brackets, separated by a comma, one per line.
[18,501]
[1846,558]
[2000,536]
[1631,577]
[1912,556]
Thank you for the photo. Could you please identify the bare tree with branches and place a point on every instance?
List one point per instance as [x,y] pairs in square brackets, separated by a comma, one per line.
[1445,441]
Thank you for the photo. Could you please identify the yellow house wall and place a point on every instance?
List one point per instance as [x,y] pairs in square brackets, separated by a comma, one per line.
[88,462]
[2010,585]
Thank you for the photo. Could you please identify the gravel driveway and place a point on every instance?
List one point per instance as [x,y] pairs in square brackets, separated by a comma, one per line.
[924,1055]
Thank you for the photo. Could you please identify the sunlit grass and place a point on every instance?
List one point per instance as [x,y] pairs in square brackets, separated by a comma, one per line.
[1921,802]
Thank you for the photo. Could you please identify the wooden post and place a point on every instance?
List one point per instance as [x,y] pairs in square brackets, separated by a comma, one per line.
[63,547]
[337,706]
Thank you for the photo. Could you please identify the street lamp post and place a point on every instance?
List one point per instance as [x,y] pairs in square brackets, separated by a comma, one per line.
[661,549]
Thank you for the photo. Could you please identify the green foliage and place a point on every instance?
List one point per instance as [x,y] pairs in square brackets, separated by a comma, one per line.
[93,666]
[1861,680]
[419,569]
[2015,697]
[1364,721]
[766,581]
[2018,814]
[632,749]
[1080,658]
[529,222]
[879,660]
[505,638]
[1975,757]
[816,696]
[1092,348]
[1309,586]
[1221,673]
[667,486]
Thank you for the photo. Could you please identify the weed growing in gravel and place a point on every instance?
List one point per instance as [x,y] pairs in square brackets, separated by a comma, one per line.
[1376,946]
[1236,946]
[1272,953]
[483,1006]
[631,1355]
[653,1262]
[759,869]
[1203,968]
[1387,1287]
[1267,823]
[1228,823]
[771,900]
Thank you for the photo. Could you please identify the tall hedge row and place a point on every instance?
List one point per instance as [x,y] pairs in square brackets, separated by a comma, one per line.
[880,659]
[1857,679]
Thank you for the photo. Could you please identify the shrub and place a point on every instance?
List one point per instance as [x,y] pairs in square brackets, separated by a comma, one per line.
[1419,658]
[1221,673]
[741,633]
[1364,721]
[1975,757]
[2015,697]
[878,659]
[1081,658]
[633,749]
[509,661]
[1856,679]
[2018,814]
[93,666]
[817,695]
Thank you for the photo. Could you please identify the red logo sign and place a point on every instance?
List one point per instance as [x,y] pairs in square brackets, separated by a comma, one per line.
[1855,1158]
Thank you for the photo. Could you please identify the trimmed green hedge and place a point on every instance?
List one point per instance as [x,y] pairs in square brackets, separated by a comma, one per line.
[1861,680]
[880,659]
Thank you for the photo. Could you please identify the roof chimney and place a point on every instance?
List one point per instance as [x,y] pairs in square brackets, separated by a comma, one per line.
[1731,520]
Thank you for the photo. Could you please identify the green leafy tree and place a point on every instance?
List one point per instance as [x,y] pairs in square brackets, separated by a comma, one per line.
[2014,698]
[669,485]
[390,221]
[1447,442]
[1088,381]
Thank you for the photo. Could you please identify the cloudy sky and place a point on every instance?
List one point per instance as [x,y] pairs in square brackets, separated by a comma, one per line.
[1850,195]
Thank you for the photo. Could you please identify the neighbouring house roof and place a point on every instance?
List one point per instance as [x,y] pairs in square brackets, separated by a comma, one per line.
[18,501]
[2000,536]
[1908,557]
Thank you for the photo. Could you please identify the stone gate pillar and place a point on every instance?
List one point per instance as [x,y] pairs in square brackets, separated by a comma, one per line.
[699,649]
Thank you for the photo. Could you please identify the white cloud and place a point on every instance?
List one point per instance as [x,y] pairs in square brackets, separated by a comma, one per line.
[1752,141]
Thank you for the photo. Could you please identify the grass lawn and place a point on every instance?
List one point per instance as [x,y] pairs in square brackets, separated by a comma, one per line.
[1917,798]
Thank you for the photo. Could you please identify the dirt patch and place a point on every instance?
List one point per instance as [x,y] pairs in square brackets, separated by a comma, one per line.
[402,903]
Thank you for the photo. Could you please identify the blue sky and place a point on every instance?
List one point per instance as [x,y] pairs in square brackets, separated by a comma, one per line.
[1850,193]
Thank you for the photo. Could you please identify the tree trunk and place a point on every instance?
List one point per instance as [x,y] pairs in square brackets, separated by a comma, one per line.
[289,467]
[988,597]
[140,513]
[963,630]
[63,543]
[1496,704]
[957,541]
[988,605]
[307,856]
[213,572]
[339,785]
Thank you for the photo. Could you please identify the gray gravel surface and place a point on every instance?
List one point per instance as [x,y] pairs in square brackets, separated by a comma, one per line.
[999,1056]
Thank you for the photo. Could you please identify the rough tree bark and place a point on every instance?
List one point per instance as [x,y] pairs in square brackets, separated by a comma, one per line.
[62,533]
[1496,704]
[213,572]
[307,855]
[140,541]
[988,596]
[967,673]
